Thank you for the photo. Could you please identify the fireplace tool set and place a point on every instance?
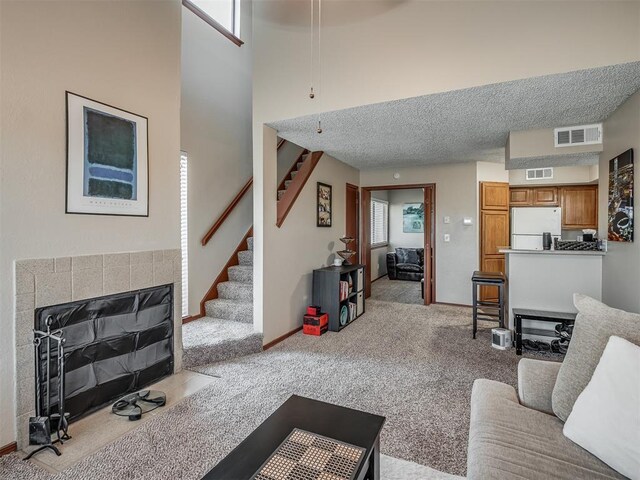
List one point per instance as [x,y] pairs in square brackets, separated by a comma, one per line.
[48,346]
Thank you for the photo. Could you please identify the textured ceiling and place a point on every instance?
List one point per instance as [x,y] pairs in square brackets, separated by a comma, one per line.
[462,125]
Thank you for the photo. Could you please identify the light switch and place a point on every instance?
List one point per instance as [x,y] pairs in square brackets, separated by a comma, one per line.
[447,219]
[467,221]
[447,237]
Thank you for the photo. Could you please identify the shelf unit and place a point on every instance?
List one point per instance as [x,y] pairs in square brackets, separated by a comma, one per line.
[326,293]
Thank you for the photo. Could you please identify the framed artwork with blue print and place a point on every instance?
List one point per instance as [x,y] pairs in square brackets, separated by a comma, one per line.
[107,159]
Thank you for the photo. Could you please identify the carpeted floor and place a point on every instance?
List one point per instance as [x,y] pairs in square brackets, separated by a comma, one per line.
[413,364]
[400,291]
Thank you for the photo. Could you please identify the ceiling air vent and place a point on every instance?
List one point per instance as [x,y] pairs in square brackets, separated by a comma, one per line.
[539,173]
[581,135]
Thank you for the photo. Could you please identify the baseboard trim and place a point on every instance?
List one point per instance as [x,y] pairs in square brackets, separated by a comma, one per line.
[9,448]
[375,280]
[281,338]
[191,318]
[452,304]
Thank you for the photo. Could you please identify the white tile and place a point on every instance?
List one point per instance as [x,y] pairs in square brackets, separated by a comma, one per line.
[141,276]
[162,273]
[141,257]
[63,264]
[87,283]
[117,279]
[86,261]
[25,281]
[25,302]
[53,288]
[117,260]
[37,265]
[158,256]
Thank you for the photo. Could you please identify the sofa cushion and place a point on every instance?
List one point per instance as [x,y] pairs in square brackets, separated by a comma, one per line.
[595,323]
[409,267]
[510,441]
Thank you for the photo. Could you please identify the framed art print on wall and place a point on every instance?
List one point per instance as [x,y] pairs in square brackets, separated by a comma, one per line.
[324,205]
[620,205]
[413,218]
[107,159]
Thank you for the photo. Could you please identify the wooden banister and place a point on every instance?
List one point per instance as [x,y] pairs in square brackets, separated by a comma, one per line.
[218,223]
[297,184]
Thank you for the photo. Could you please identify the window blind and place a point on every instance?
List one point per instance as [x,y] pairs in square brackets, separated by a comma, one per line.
[379,222]
[184,239]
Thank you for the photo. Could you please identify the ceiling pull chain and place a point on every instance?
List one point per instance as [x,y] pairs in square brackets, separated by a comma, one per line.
[311,93]
[319,130]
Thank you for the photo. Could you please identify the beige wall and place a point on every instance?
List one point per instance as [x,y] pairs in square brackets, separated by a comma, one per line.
[456,197]
[126,54]
[540,143]
[215,132]
[288,255]
[621,265]
[561,176]
[287,154]
[427,46]
[397,237]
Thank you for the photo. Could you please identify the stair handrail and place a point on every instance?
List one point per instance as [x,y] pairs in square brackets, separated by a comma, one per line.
[285,203]
[218,223]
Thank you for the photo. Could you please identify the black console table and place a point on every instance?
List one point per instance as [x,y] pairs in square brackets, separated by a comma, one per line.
[520,314]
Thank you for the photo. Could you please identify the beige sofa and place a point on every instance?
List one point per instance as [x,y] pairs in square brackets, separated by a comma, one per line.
[519,435]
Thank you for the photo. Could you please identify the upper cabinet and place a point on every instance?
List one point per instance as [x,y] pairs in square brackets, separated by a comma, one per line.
[533,196]
[494,196]
[579,203]
[579,206]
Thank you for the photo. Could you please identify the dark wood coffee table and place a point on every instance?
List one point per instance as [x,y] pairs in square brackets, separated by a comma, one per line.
[343,424]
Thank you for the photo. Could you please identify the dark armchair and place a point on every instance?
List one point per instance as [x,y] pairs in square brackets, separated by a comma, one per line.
[406,264]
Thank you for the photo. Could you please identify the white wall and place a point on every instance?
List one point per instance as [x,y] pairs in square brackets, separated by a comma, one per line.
[398,238]
[290,253]
[215,131]
[126,54]
[379,254]
[456,197]
[621,265]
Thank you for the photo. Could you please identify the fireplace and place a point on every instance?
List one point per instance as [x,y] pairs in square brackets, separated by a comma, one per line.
[114,345]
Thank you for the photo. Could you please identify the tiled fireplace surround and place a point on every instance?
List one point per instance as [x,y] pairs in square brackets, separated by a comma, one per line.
[50,281]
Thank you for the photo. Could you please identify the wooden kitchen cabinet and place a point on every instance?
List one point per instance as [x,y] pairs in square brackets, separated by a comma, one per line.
[520,197]
[545,196]
[494,196]
[533,197]
[579,207]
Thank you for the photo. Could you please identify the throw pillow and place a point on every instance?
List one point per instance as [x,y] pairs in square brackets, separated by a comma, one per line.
[605,419]
[402,255]
[595,323]
[412,256]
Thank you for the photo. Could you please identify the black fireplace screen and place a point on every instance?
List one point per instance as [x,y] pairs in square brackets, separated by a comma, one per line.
[114,345]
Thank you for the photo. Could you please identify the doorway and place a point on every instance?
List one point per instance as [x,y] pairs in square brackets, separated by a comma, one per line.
[368,246]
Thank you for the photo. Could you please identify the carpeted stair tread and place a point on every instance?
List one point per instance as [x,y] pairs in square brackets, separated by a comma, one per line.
[236,291]
[241,273]
[245,257]
[209,340]
[233,310]
[250,243]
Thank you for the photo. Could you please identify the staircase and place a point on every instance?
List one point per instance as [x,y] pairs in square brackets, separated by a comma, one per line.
[227,329]
[286,181]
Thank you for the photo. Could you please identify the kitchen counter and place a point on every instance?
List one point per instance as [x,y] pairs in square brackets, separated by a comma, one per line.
[547,279]
[552,252]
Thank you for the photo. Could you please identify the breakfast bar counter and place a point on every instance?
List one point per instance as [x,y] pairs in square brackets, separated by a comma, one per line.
[547,279]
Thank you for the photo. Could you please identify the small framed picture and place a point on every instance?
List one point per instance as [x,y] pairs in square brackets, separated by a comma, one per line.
[324,205]
[107,159]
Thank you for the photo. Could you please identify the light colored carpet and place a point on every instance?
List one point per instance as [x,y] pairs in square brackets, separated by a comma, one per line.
[400,291]
[413,364]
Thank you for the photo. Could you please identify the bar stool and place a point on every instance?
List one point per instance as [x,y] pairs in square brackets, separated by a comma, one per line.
[488,310]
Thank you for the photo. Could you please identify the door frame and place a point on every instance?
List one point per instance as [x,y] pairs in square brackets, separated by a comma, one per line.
[350,186]
[429,199]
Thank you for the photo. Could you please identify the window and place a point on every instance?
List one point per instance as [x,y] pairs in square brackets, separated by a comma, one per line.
[223,15]
[379,223]
[184,230]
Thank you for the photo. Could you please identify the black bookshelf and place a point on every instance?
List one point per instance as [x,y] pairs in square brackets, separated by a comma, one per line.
[326,293]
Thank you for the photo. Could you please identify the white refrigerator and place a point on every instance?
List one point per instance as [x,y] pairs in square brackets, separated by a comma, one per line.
[528,224]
